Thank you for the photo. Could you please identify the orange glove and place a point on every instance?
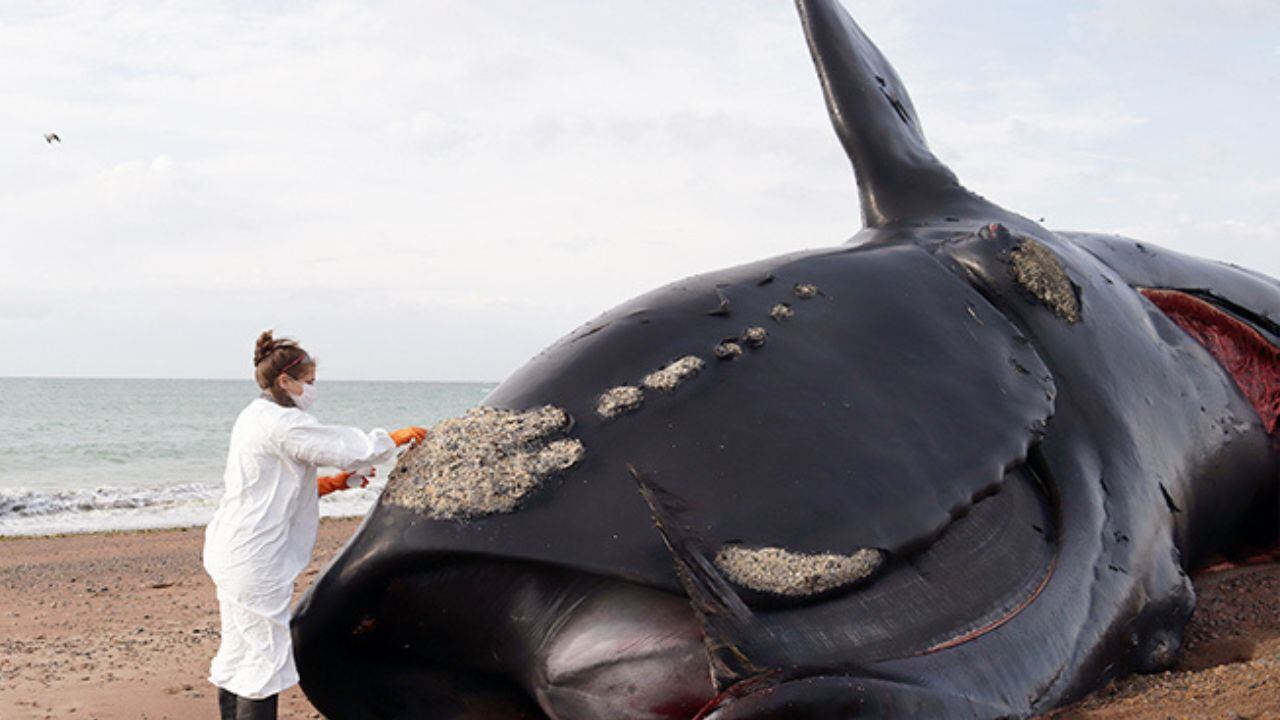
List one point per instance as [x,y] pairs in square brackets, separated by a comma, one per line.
[411,433]
[333,483]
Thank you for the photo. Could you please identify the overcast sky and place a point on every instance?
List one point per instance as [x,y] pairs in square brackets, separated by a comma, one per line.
[437,190]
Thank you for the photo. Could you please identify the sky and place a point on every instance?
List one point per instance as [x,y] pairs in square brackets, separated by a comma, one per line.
[438,189]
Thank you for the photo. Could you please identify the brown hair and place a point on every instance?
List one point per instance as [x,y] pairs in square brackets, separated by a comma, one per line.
[271,357]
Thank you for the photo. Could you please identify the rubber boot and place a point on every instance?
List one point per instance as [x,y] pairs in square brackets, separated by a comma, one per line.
[227,704]
[264,709]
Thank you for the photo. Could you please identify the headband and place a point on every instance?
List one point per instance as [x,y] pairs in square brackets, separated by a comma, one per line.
[296,360]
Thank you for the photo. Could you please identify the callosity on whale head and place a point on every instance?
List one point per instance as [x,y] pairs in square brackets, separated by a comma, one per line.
[958,467]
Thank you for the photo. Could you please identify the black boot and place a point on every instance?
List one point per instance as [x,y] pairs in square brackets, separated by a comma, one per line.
[264,709]
[227,704]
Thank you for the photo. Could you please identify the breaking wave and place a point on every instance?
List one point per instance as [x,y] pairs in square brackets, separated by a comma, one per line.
[26,511]
[34,503]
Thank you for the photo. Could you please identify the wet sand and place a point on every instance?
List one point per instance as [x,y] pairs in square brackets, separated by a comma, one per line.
[123,625]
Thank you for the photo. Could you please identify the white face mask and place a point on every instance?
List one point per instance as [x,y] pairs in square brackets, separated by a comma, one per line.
[306,399]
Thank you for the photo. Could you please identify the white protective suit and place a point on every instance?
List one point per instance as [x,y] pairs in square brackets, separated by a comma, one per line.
[263,532]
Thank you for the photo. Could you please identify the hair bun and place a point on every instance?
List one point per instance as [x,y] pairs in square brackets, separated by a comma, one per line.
[272,356]
[264,347]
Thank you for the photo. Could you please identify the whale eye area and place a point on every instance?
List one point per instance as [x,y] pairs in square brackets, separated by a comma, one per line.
[1251,361]
[485,462]
[779,571]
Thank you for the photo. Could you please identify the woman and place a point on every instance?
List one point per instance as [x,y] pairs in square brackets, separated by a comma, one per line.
[264,529]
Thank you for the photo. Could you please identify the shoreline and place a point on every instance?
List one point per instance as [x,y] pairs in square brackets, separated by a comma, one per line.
[162,518]
[107,533]
[150,530]
[122,624]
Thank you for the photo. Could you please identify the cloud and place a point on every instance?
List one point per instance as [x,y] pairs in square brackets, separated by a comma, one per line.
[456,184]
[1150,21]
[1224,240]
[1088,126]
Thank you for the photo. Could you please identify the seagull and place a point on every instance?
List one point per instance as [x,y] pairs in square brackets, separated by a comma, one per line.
[50,137]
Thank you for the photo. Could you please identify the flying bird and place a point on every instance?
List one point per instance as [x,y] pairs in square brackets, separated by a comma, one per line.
[50,137]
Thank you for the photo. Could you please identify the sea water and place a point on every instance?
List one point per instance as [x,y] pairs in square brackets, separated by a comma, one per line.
[81,455]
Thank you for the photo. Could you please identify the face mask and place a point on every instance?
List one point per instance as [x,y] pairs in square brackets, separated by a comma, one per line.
[306,399]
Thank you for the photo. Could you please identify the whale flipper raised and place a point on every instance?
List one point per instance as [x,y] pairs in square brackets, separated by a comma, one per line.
[899,178]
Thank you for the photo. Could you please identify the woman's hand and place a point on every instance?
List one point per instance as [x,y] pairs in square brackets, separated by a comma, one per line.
[407,434]
[332,483]
[344,481]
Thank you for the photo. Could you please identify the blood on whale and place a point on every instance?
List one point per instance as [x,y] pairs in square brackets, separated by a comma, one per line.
[1251,361]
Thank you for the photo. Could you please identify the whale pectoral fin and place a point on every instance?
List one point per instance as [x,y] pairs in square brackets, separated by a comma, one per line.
[839,697]
[898,176]
[728,625]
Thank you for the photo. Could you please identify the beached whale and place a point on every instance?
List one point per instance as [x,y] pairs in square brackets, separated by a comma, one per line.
[957,467]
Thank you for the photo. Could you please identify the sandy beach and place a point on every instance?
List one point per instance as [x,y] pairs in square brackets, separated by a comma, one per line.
[122,625]
[118,625]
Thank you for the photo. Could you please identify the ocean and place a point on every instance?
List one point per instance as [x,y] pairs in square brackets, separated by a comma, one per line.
[82,455]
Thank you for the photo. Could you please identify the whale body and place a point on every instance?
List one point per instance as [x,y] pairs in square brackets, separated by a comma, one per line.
[960,466]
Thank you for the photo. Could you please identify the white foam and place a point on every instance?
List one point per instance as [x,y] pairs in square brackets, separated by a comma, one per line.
[26,511]
[350,503]
[22,502]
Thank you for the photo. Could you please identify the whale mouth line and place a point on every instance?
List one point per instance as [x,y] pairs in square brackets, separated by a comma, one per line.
[997,622]
[1252,361]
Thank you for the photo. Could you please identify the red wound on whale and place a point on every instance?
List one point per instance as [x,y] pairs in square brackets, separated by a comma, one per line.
[1242,351]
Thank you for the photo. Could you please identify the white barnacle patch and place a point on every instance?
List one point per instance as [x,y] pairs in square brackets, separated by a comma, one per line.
[615,401]
[1039,272]
[755,336]
[728,350]
[805,291]
[781,311]
[483,463]
[782,572]
[670,377]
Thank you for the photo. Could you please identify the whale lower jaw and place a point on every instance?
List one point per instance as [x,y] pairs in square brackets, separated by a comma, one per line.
[484,638]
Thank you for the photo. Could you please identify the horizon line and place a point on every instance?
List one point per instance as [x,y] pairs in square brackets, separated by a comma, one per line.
[227,379]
